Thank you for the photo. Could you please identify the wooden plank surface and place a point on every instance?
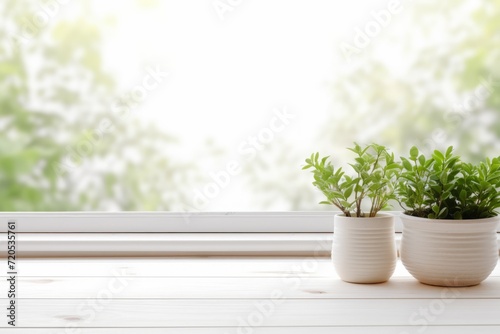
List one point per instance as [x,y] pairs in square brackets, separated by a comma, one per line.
[272,330]
[271,312]
[177,267]
[238,288]
[187,267]
[227,295]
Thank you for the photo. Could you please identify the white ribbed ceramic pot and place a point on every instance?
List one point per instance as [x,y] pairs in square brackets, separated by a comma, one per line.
[364,249]
[449,252]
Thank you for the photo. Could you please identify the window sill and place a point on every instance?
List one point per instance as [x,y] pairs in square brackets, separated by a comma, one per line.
[39,245]
[162,234]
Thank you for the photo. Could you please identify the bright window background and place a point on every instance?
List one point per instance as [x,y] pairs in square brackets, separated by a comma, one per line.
[214,105]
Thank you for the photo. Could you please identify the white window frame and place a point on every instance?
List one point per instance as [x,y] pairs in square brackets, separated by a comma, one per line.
[172,222]
[140,234]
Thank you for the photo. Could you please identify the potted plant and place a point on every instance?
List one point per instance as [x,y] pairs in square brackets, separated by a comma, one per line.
[364,249]
[450,222]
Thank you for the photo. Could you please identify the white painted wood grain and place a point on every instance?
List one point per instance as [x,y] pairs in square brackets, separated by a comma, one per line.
[264,312]
[270,330]
[238,288]
[187,267]
[176,267]
[222,295]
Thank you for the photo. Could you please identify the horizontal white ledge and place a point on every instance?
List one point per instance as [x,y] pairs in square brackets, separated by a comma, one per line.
[153,234]
[170,222]
[482,329]
[39,245]
[167,222]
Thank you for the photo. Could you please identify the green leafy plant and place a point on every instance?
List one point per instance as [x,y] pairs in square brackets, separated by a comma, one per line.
[444,187]
[375,177]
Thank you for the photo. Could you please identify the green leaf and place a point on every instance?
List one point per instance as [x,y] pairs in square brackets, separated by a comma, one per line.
[449,151]
[393,166]
[463,195]
[414,152]
[421,160]
[406,164]
[443,213]
[444,177]
[348,192]
[438,156]
[360,160]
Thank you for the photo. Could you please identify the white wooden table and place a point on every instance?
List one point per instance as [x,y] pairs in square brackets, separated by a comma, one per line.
[237,295]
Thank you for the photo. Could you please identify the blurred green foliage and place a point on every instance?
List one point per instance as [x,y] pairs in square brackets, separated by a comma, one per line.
[450,46]
[54,92]
[447,92]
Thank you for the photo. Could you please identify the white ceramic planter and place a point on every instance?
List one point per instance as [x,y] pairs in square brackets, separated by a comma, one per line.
[364,249]
[449,252]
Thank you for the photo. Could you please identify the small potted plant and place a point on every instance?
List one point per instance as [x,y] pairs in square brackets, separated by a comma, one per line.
[450,222]
[364,249]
